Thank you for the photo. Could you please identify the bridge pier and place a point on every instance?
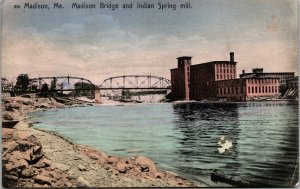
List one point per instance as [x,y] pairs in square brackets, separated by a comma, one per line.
[98,96]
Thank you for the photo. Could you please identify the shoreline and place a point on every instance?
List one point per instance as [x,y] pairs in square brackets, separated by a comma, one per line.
[78,165]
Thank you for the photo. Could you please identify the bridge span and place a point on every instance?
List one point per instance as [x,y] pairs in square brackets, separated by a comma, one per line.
[125,82]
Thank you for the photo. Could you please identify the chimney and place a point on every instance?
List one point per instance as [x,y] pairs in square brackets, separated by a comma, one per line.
[231,56]
[243,71]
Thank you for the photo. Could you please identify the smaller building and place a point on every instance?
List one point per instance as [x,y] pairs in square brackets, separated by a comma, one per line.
[259,72]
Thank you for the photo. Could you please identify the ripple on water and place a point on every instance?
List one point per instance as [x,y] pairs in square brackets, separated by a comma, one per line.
[184,137]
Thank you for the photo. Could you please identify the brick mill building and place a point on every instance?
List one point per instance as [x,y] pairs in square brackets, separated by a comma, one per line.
[217,80]
[283,76]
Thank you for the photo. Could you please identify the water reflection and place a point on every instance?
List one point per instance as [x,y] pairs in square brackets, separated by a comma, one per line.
[265,140]
[201,126]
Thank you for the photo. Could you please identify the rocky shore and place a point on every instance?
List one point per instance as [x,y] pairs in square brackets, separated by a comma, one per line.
[37,158]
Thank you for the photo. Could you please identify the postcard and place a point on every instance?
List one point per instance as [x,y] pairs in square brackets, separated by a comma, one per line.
[149,93]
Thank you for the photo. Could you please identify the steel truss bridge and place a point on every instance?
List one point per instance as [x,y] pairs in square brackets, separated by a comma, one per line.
[135,82]
[125,82]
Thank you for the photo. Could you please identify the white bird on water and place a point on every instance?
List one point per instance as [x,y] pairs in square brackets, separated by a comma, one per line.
[224,145]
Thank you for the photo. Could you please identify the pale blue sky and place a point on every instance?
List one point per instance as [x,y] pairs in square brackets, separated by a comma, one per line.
[97,44]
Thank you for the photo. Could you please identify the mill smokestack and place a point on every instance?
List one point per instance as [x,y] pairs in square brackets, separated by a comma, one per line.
[231,56]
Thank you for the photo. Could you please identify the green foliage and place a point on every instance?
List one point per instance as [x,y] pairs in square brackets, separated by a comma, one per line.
[127,94]
[22,82]
[45,90]
[84,89]
[53,87]
[170,97]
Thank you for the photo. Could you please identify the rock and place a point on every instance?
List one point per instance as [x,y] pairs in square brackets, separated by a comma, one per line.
[144,168]
[7,116]
[121,167]
[104,155]
[9,145]
[77,157]
[42,179]
[94,156]
[27,155]
[27,172]
[37,149]
[19,164]
[61,167]
[46,161]
[112,160]
[145,162]
[15,105]
[158,175]
[81,167]
[8,167]
[83,182]
[9,108]
[68,184]
[54,175]
[21,135]
[10,178]
[71,177]
[40,186]
[40,164]
[26,96]
[171,173]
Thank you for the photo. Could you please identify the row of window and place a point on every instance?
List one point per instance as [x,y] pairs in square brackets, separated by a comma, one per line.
[225,66]
[256,81]
[226,70]
[263,89]
[230,90]
[221,76]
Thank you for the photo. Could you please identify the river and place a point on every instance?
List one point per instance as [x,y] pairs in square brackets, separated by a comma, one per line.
[183,137]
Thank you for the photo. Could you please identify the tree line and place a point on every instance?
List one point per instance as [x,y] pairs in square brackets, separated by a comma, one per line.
[25,84]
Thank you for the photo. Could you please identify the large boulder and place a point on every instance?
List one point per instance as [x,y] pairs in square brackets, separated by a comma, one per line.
[146,164]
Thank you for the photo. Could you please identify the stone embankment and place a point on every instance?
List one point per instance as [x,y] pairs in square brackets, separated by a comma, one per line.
[37,158]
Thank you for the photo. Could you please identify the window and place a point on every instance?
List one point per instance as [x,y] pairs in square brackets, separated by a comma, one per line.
[263,91]
[275,89]
[248,89]
[266,89]
[255,89]
[269,89]
[252,89]
[272,89]
[258,89]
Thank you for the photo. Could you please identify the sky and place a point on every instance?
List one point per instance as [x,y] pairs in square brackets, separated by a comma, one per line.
[101,43]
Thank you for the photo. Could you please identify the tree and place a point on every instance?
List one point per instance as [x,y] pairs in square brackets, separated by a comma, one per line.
[84,89]
[45,90]
[53,87]
[6,85]
[22,82]
[127,94]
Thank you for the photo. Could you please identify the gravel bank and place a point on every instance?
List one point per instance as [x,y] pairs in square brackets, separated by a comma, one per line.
[50,160]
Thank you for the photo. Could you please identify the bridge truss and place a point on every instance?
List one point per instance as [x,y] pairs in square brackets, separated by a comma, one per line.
[135,82]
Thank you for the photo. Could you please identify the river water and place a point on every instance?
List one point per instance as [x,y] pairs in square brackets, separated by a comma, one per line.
[183,137]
